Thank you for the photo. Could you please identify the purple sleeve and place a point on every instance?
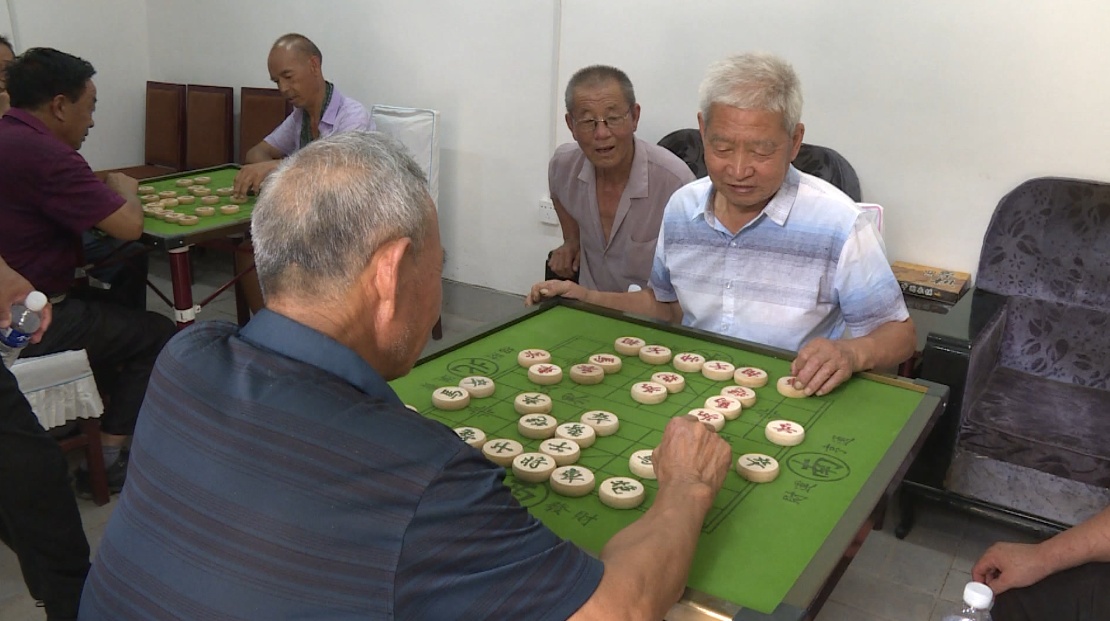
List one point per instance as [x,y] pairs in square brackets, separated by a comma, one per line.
[285,137]
[75,198]
[472,551]
[352,116]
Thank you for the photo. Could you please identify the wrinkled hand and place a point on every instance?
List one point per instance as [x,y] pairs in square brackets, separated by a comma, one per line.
[822,365]
[691,453]
[1006,566]
[554,288]
[122,184]
[250,177]
[564,260]
[14,289]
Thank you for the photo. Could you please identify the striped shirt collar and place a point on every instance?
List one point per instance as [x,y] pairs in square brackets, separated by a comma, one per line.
[777,210]
[282,335]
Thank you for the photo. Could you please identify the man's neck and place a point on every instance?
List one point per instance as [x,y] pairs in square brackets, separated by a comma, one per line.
[43,114]
[732,217]
[315,108]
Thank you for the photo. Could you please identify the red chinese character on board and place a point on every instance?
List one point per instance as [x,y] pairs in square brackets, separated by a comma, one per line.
[786,428]
[669,378]
[721,402]
[654,350]
[719,365]
[689,357]
[604,358]
[648,388]
[531,354]
[585,368]
[707,416]
[545,369]
[751,372]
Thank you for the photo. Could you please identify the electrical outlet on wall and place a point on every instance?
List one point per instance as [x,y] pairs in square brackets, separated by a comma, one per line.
[547,212]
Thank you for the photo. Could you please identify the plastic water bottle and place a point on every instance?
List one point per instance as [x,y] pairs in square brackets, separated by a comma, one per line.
[978,599]
[26,319]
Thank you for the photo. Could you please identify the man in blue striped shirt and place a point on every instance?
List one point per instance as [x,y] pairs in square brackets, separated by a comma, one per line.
[763,252]
[275,474]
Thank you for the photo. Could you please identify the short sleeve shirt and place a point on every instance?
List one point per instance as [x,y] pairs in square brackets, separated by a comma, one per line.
[810,265]
[48,197]
[275,475]
[625,258]
[343,114]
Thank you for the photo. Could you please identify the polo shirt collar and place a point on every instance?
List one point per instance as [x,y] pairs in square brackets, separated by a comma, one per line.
[777,209]
[282,335]
[32,121]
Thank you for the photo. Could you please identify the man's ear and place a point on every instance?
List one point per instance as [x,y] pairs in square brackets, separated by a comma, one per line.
[384,274]
[59,107]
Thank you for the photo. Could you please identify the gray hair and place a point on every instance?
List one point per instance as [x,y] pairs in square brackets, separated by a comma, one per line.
[754,81]
[325,211]
[595,75]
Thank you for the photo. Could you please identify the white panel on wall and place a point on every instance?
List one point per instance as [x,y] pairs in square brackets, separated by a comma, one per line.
[486,66]
[112,35]
[942,107]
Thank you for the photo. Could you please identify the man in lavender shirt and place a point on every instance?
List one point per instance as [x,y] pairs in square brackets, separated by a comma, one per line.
[295,65]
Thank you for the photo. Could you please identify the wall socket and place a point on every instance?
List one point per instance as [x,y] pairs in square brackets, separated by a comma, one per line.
[547,212]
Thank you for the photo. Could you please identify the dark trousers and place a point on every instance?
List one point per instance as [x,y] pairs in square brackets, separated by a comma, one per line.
[126,269]
[121,343]
[38,514]
[1078,594]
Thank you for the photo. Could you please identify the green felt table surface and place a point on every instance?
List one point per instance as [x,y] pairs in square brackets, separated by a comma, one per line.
[222,177]
[758,538]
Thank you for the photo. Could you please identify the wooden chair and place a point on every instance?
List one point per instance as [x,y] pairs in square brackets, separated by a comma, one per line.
[209,134]
[165,132]
[261,110]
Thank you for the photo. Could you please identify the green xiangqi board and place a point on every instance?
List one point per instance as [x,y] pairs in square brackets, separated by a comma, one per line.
[221,178]
[758,538]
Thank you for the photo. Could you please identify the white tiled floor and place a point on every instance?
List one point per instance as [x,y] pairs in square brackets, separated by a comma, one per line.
[916,579]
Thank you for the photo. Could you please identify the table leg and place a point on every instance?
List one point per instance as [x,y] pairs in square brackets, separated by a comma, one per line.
[181,277]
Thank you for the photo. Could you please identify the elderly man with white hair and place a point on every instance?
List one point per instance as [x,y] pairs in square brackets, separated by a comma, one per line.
[763,252]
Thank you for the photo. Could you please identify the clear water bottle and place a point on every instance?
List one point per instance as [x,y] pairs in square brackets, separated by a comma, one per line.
[26,319]
[978,599]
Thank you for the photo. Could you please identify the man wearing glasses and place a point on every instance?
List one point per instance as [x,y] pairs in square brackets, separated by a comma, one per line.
[609,188]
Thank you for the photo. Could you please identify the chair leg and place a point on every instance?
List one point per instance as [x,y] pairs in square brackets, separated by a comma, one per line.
[437,330]
[906,517]
[98,475]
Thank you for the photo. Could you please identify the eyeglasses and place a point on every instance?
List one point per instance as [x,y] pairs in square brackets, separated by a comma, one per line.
[615,121]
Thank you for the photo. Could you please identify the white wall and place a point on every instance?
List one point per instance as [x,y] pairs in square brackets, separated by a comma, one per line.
[941,106]
[487,66]
[112,35]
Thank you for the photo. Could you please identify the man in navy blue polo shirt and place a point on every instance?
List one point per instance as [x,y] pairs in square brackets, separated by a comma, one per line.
[275,474]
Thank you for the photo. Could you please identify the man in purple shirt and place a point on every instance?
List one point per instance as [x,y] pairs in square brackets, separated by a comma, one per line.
[48,197]
[319,110]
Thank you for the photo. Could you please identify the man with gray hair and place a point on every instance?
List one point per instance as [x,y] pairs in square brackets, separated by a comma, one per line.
[763,252]
[276,475]
[608,187]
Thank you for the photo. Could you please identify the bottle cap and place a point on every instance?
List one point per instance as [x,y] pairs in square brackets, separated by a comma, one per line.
[978,595]
[36,301]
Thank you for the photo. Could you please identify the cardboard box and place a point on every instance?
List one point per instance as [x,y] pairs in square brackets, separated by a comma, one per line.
[931,282]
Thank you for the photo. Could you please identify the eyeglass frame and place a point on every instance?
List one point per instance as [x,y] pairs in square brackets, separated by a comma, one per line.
[609,121]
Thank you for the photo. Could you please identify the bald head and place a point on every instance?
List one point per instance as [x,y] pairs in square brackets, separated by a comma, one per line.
[300,44]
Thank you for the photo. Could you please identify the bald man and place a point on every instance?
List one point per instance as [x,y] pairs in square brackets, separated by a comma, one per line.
[319,110]
[295,65]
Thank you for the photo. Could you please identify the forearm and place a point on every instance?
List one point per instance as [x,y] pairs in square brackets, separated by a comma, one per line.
[639,302]
[888,345]
[261,152]
[1085,543]
[647,563]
